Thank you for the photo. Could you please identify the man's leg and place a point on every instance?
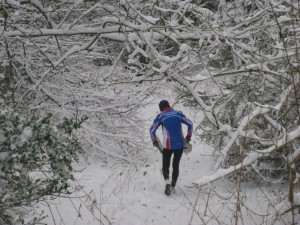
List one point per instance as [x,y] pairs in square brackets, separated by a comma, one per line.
[166,163]
[176,160]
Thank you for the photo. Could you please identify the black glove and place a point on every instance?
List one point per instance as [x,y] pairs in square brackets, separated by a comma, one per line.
[188,139]
[155,143]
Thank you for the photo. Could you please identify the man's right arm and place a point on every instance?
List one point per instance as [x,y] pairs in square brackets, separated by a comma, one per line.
[153,129]
[189,124]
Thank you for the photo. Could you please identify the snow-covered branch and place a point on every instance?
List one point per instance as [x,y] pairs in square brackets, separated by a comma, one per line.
[249,159]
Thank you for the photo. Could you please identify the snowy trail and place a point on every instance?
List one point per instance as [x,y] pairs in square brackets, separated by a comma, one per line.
[134,196]
[147,203]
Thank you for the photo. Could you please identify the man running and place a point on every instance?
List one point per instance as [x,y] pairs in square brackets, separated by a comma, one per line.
[173,140]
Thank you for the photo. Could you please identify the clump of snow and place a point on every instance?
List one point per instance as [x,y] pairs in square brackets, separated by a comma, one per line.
[27,133]
[25,136]
[282,19]
[4,155]
[184,48]
[204,11]
[2,76]
[55,129]
[12,146]
[202,75]
[173,23]
[77,2]
[50,151]
[151,19]
[132,61]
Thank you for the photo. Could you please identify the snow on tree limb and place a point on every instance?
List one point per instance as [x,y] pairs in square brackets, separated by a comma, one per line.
[247,120]
[60,32]
[205,108]
[248,160]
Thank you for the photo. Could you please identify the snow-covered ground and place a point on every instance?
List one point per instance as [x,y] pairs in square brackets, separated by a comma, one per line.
[134,195]
[131,196]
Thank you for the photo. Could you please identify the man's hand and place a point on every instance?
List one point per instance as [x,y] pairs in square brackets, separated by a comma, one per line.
[155,143]
[188,139]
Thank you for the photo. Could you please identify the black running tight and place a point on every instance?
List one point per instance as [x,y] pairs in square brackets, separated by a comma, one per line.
[167,153]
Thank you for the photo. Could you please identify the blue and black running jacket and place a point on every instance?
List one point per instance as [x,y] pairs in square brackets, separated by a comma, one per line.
[171,128]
